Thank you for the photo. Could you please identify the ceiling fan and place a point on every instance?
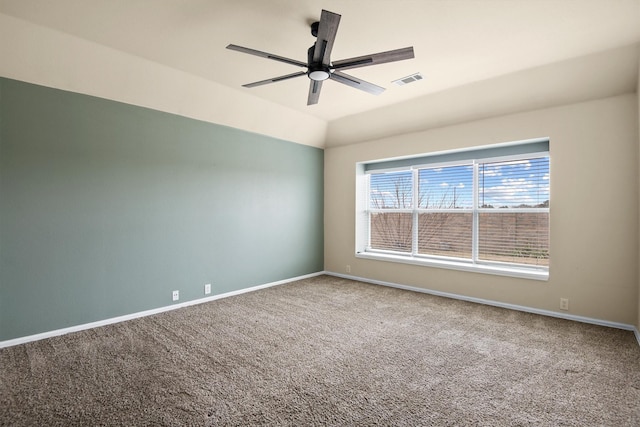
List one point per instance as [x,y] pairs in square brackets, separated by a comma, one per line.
[319,66]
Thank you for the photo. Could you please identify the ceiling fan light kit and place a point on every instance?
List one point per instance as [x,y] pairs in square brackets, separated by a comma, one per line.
[319,66]
[319,75]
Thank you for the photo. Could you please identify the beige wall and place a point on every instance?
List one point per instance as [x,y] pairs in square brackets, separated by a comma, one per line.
[612,72]
[594,208]
[39,55]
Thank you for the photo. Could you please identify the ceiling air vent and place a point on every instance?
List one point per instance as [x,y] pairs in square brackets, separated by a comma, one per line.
[409,79]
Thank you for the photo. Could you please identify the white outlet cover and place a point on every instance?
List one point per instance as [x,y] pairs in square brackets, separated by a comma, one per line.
[207,288]
[176,295]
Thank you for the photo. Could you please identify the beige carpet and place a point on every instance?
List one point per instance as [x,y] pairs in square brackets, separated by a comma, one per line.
[328,351]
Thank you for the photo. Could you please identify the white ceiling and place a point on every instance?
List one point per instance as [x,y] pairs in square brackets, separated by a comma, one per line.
[456,42]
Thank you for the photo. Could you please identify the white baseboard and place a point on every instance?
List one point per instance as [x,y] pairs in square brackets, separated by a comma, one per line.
[57,332]
[526,309]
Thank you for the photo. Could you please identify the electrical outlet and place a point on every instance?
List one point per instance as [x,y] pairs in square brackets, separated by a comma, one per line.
[176,295]
[564,303]
[348,268]
[207,289]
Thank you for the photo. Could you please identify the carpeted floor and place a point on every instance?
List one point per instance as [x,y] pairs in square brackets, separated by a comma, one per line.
[327,351]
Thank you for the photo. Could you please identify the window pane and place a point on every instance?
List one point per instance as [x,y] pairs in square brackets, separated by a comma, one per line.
[445,234]
[514,237]
[446,188]
[514,184]
[391,231]
[392,190]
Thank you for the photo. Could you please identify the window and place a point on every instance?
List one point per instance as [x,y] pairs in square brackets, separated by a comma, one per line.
[483,210]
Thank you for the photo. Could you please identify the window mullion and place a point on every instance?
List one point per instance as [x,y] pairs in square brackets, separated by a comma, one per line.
[474,227]
[368,205]
[414,205]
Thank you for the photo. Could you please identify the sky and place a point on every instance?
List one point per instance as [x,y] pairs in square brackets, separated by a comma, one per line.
[513,183]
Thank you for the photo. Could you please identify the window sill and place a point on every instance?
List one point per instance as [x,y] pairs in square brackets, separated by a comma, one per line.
[522,273]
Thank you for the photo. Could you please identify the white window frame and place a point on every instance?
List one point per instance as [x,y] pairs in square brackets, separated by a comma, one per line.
[363,212]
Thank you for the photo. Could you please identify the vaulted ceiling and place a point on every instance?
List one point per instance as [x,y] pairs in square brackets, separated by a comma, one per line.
[457,43]
[478,57]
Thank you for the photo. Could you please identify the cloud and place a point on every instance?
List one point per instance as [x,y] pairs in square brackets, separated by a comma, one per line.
[376,192]
[492,171]
[518,163]
[515,191]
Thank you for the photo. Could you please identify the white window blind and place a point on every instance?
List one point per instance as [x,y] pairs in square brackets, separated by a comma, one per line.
[445,216]
[513,223]
[390,207]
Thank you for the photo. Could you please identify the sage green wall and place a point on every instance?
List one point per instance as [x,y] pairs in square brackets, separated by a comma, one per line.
[105,208]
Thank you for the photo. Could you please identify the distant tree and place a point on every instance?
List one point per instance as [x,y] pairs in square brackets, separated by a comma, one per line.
[393,230]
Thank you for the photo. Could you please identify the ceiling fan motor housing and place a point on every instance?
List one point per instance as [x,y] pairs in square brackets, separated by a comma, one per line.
[316,71]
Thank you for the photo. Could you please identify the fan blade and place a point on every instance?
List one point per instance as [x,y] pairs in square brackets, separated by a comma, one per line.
[356,83]
[327,30]
[266,55]
[276,79]
[314,92]
[374,59]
